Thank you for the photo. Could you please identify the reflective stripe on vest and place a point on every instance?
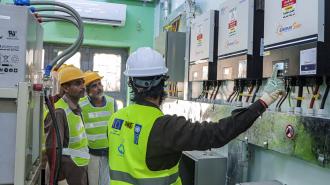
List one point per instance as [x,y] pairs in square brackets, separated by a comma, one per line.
[96,124]
[76,153]
[98,114]
[96,119]
[129,130]
[96,137]
[126,177]
[77,138]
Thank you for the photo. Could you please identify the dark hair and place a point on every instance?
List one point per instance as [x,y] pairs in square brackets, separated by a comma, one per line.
[141,93]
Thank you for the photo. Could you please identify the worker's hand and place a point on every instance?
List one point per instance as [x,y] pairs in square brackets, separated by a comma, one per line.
[273,88]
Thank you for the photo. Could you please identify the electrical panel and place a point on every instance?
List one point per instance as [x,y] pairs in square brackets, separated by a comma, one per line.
[240,36]
[21,45]
[172,45]
[203,41]
[297,37]
[21,42]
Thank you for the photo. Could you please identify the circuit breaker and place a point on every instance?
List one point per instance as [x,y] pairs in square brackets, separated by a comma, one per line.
[240,36]
[204,42]
[297,37]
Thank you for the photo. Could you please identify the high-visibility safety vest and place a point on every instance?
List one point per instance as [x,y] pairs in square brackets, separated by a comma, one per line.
[128,132]
[96,121]
[78,143]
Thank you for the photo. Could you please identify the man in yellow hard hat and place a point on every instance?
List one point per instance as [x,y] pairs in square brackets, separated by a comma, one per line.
[59,93]
[75,156]
[96,111]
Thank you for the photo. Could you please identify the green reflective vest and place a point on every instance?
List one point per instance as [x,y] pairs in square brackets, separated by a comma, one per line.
[96,121]
[128,132]
[78,143]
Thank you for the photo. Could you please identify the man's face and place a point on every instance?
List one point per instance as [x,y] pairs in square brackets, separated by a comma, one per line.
[95,89]
[75,88]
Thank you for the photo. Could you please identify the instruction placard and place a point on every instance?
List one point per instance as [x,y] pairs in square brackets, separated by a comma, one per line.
[308,61]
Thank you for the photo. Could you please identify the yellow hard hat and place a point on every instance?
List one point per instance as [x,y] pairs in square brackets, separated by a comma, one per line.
[91,76]
[68,74]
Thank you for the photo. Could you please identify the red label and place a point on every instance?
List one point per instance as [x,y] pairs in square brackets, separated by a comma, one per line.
[200,37]
[286,3]
[232,24]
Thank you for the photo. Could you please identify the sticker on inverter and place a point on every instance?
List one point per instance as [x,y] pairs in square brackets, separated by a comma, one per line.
[288,8]
[308,61]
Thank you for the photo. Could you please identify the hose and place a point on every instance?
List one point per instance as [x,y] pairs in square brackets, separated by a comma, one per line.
[75,46]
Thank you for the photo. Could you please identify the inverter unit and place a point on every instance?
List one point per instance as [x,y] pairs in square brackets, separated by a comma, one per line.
[99,12]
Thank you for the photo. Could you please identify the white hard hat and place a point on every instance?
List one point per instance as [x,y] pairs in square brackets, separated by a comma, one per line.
[145,62]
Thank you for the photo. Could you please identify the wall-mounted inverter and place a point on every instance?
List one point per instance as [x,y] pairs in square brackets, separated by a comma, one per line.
[240,37]
[203,47]
[297,37]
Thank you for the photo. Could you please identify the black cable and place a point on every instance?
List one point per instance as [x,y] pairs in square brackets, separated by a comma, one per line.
[229,98]
[288,91]
[58,138]
[255,92]
[324,99]
[300,95]
[217,91]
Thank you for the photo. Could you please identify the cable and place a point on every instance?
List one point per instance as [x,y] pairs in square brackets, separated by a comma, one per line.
[58,138]
[256,91]
[324,99]
[288,91]
[315,93]
[51,18]
[289,96]
[213,89]
[241,89]
[217,91]
[234,91]
[300,95]
[75,46]
[249,93]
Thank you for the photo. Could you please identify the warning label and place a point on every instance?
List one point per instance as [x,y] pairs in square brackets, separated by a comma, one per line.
[288,8]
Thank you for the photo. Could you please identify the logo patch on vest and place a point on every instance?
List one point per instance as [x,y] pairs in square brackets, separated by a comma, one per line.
[129,125]
[137,131]
[117,123]
[121,149]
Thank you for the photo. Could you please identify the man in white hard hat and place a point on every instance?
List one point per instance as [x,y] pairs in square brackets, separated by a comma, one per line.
[146,146]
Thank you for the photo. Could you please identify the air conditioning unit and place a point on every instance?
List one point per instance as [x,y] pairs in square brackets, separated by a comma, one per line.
[98,12]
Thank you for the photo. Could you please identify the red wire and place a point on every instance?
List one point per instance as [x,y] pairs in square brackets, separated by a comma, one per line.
[53,153]
[316,90]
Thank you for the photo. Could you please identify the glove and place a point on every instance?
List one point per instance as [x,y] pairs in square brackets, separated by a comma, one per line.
[273,88]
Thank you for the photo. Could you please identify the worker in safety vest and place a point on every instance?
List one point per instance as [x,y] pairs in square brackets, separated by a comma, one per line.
[145,146]
[96,110]
[75,156]
[55,98]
